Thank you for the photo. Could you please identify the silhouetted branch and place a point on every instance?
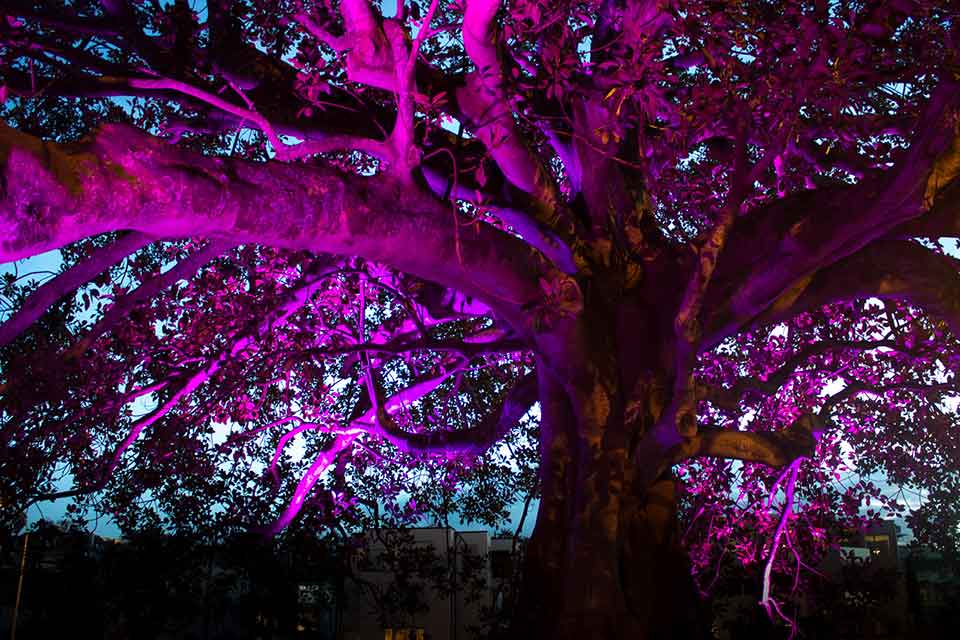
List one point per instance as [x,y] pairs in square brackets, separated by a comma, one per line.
[69,281]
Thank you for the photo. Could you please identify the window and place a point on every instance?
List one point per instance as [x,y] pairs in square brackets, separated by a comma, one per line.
[501,565]
[403,634]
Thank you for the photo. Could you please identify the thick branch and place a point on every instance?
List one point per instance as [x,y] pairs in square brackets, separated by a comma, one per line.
[659,449]
[890,269]
[801,242]
[123,179]
[485,99]
[772,448]
[943,219]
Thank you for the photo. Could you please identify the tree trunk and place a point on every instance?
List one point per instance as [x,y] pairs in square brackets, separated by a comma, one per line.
[605,560]
[639,588]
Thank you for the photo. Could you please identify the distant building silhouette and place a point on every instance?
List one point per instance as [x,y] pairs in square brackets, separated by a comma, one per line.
[457,579]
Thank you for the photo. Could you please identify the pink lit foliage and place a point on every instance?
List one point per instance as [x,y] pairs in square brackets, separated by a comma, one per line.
[681,271]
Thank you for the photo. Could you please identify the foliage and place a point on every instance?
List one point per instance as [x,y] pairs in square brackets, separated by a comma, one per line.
[351,269]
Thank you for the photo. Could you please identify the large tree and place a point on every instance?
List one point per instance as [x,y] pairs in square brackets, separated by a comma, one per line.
[690,248]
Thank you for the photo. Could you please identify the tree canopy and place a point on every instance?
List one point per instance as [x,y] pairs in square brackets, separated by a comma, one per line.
[681,271]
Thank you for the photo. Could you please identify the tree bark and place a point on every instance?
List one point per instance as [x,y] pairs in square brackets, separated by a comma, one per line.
[122,179]
[605,560]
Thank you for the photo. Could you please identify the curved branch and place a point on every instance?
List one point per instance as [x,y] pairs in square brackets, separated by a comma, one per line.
[464,442]
[369,58]
[340,129]
[687,323]
[802,242]
[244,114]
[484,100]
[470,441]
[889,269]
[68,282]
[660,448]
[772,448]
[124,179]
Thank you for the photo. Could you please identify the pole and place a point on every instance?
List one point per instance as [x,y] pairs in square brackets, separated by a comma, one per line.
[16,605]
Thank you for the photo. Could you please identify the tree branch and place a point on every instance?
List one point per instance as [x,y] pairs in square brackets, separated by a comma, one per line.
[484,101]
[322,462]
[656,453]
[464,442]
[687,323]
[68,282]
[536,233]
[801,242]
[340,129]
[942,220]
[147,289]
[244,114]
[124,179]
[888,269]
[772,448]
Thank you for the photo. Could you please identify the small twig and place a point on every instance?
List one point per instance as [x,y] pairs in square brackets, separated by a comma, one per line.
[161,83]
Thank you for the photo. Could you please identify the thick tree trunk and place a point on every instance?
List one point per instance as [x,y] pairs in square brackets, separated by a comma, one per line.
[605,560]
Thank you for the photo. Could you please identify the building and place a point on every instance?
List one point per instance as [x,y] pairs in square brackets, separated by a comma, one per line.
[881,541]
[424,584]
[933,590]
